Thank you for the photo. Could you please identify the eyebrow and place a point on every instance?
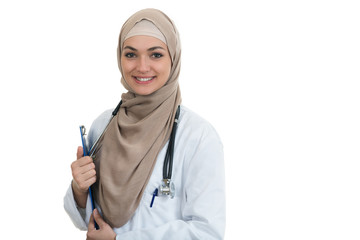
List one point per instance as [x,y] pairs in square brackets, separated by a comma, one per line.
[149,50]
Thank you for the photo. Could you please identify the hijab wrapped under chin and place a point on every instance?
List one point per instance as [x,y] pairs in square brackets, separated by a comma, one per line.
[128,150]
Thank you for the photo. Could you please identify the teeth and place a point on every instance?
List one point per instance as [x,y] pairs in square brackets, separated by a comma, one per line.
[144,79]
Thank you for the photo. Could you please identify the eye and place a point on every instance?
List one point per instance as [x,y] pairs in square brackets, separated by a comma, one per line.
[129,55]
[157,55]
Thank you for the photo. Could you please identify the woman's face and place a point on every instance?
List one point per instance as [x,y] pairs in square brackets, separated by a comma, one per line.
[145,63]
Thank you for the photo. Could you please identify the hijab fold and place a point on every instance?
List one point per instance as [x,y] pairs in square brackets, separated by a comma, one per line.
[129,148]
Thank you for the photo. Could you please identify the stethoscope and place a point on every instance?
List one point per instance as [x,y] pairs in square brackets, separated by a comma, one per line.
[167,187]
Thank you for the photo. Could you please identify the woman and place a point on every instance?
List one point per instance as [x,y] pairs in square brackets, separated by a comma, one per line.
[128,167]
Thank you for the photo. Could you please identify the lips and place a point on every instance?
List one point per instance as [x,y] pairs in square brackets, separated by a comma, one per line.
[143,80]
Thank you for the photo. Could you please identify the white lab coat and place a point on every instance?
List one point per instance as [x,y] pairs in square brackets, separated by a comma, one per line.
[198,209]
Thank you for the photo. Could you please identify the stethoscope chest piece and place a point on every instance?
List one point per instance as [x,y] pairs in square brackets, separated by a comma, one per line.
[167,188]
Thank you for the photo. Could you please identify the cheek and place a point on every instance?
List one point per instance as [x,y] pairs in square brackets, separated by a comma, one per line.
[165,69]
[126,67]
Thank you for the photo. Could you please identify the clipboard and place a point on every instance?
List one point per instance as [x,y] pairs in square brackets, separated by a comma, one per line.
[86,153]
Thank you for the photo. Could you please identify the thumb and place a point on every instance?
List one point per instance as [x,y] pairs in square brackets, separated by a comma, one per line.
[98,219]
[91,225]
[79,153]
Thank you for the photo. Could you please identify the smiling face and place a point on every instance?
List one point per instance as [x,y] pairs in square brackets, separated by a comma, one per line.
[145,63]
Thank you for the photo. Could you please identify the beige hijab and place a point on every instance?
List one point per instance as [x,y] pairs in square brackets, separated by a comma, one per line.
[128,150]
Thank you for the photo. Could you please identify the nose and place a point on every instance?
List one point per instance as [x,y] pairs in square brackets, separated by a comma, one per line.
[143,65]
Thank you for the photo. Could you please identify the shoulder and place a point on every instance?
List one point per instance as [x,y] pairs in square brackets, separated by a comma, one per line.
[200,148]
[190,119]
[195,129]
[187,116]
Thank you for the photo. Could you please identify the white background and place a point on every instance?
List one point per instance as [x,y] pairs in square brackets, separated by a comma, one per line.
[279,80]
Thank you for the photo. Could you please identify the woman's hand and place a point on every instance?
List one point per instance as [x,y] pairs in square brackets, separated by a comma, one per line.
[84,175]
[105,232]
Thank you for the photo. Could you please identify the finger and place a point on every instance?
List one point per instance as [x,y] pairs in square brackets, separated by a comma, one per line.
[79,153]
[91,225]
[83,161]
[84,173]
[87,167]
[98,219]
[84,184]
[87,183]
[88,175]
[82,166]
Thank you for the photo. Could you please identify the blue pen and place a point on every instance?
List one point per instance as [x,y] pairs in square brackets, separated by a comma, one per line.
[153,198]
[84,145]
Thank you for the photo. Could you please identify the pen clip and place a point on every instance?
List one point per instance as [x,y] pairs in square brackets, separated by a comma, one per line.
[83,130]
[83,140]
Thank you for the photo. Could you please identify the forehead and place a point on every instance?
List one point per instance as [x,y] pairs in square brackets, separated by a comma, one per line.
[143,42]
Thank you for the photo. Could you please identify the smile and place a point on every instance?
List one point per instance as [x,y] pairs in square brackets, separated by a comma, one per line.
[144,79]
